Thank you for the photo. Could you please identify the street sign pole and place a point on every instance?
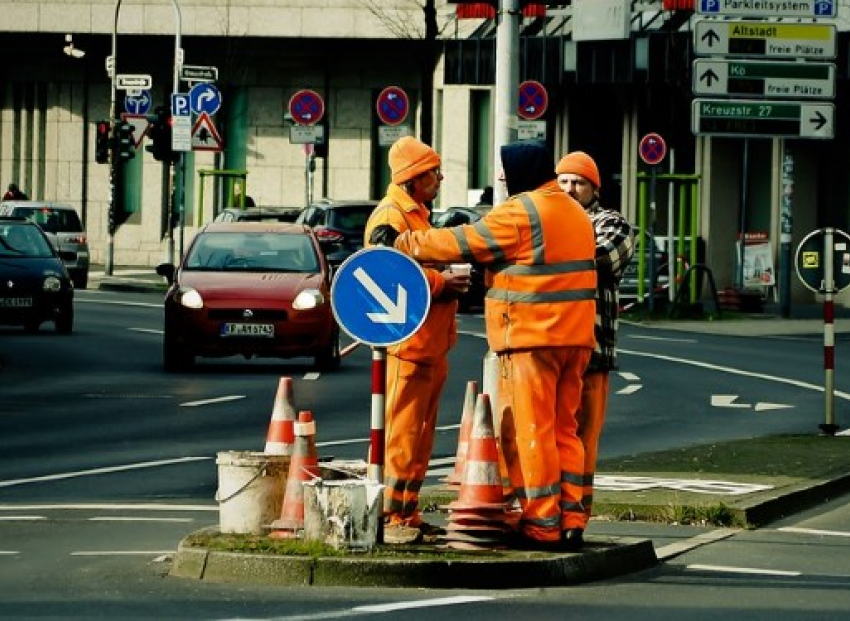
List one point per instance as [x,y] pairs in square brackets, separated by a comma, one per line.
[786,219]
[177,172]
[828,427]
[109,263]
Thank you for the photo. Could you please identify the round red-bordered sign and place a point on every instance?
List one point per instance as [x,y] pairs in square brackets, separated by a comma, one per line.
[393,106]
[306,107]
[652,149]
[533,100]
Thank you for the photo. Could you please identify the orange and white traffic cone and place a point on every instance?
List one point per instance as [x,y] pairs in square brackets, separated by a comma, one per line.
[456,476]
[304,466]
[480,518]
[280,439]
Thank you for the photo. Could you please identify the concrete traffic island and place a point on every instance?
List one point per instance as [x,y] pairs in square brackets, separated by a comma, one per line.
[212,556]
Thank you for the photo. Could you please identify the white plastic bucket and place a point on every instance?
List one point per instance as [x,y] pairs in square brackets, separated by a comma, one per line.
[250,490]
[344,514]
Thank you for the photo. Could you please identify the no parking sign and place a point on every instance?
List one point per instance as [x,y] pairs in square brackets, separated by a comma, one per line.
[652,149]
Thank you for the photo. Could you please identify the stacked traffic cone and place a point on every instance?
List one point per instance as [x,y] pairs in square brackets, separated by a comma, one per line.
[304,466]
[281,435]
[480,518]
[455,478]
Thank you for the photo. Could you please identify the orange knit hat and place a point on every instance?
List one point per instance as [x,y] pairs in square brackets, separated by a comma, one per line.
[579,163]
[410,157]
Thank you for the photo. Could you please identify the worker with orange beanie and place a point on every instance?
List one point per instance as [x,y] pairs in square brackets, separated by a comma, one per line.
[416,368]
[578,176]
[538,250]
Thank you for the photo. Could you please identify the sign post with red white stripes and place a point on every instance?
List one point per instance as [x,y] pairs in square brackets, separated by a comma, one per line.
[823,265]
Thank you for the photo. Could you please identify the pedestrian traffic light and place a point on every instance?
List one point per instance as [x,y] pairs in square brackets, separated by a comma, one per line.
[124,144]
[101,143]
[160,135]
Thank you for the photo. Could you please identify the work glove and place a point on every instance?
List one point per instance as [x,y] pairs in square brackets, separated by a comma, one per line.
[383,235]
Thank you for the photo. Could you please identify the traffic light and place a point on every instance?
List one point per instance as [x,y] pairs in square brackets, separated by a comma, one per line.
[101,144]
[124,145]
[159,132]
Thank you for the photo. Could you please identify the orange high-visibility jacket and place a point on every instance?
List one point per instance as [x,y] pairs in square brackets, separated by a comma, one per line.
[539,251]
[439,331]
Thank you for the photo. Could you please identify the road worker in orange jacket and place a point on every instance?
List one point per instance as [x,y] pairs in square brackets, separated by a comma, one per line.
[538,248]
[579,177]
[416,368]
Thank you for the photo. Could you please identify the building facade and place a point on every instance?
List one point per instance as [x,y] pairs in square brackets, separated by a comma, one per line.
[604,95]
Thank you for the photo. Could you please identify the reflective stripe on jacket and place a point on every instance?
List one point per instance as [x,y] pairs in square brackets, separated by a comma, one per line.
[539,251]
[439,331]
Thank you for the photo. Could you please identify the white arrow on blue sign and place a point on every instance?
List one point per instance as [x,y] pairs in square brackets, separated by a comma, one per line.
[380,296]
[138,104]
[205,97]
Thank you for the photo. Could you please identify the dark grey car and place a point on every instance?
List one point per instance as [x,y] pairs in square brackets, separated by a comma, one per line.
[64,229]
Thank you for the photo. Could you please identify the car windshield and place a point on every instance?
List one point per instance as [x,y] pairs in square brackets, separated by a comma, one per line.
[23,242]
[351,218]
[256,252]
[52,220]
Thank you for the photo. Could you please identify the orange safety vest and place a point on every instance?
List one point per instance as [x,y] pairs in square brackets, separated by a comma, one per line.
[539,249]
[438,333]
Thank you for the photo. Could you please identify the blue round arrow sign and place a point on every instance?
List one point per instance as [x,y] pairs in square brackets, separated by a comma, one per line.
[380,296]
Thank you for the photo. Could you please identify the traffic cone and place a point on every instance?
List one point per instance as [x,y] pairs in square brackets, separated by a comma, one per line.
[480,518]
[304,466]
[281,435]
[455,478]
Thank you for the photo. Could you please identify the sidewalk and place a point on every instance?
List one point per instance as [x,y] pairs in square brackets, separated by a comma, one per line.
[125,278]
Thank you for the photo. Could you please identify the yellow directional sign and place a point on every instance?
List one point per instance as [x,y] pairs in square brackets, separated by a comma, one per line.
[764,39]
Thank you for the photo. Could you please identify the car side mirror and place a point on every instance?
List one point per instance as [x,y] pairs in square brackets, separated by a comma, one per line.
[166,270]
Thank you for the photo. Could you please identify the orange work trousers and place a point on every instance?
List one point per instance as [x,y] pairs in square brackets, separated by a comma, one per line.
[412,402]
[591,418]
[539,396]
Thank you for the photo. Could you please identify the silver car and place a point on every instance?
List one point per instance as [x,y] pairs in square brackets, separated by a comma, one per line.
[63,227]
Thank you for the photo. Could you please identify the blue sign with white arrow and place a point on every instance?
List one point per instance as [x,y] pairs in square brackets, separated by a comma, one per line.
[205,97]
[138,104]
[380,296]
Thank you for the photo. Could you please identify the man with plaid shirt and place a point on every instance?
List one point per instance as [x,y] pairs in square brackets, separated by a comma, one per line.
[578,176]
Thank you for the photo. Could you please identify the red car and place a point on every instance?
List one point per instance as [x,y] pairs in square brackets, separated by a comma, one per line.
[250,289]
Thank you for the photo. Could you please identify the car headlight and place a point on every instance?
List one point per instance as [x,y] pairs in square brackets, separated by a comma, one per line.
[308,299]
[188,297]
[52,284]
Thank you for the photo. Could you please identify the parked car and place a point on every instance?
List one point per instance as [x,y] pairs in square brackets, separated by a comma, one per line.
[253,289]
[341,224]
[63,228]
[34,285]
[258,214]
[455,216]
[629,283]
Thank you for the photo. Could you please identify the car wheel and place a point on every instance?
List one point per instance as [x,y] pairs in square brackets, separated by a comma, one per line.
[64,321]
[175,357]
[329,359]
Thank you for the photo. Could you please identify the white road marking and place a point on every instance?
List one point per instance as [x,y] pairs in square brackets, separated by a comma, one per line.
[8,552]
[731,371]
[727,401]
[764,407]
[145,330]
[21,518]
[629,377]
[194,404]
[110,507]
[814,531]
[743,570]
[630,389]
[618,483]
[312,377]
[122,552]
[83,473]
[424,603]
[662,338]
[80,300]
[137,519]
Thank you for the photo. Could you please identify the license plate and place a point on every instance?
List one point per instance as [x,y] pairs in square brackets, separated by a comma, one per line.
[16,302]
[265,330]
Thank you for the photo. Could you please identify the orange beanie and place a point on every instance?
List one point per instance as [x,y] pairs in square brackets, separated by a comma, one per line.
[410,157]
[579,163]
